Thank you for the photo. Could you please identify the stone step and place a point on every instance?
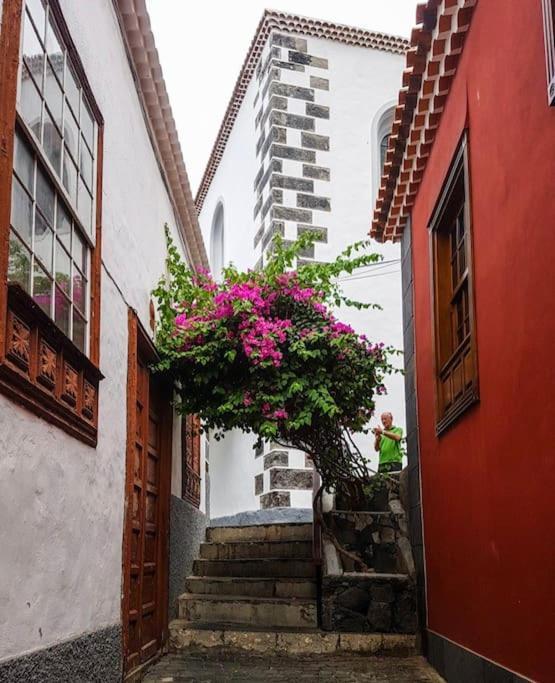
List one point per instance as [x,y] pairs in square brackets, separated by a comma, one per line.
[254,587]
[233,609]
[262,568]
[260,532]
[214,640]
[238,550]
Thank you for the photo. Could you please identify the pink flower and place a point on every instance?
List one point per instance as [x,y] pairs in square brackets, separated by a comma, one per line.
[280,414]
[247,399]
[181,320]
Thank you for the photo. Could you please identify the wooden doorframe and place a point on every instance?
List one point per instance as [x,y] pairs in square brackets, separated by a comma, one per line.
[141,346]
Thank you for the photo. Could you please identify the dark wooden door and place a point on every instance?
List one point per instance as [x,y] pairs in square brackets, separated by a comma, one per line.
[145,540]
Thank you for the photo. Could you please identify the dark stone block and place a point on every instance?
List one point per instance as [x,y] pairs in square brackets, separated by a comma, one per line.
[404,613]
[355,599]
[320,83]
[318,110]
[294,153]
[314,141]
[257,207]
[267,204]
[303,58]
[273,76]
[275,227]
[380,617]
[290,183]
[283,118]
[95,656]
[290,66]
[322,233]
[308,462]
[309,201]
[273,458]
[289,214]
[281,478]
[295,91]
[258,177]
[258,484]
[275,499]
[275,166]
[291,42]
[382,593]
[316,172]
[385,558]
[275,135]
[260,142]
[258,235]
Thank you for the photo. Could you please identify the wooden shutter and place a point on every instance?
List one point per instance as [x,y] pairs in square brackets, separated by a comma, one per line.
[190,449]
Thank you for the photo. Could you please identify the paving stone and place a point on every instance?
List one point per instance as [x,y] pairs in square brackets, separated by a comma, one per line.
[180,668]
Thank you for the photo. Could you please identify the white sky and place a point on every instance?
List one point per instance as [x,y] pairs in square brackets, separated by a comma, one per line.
[202,45]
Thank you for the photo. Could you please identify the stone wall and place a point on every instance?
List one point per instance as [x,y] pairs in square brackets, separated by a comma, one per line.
[382,598]
[187,531]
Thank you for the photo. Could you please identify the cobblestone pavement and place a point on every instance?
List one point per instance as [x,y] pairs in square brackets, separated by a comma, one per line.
[181,668]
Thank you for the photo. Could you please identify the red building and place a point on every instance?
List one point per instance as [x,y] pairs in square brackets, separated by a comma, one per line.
[469,189]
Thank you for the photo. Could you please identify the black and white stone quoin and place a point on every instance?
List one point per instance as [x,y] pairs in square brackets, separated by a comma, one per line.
[291,194]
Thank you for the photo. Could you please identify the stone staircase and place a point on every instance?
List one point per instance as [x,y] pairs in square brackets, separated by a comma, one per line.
[254,589]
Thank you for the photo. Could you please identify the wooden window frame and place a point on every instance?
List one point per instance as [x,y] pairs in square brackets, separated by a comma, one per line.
[446,358]
[190,460]
[40,367]
[549,34]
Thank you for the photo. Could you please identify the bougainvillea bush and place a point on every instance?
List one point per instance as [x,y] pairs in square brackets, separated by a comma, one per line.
[262,351]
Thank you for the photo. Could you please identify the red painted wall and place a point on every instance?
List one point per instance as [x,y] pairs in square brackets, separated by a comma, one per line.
[488,484]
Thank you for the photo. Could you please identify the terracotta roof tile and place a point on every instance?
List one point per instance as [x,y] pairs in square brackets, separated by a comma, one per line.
[287,23]
[436,45]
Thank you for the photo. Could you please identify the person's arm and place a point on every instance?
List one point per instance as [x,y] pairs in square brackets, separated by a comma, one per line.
[377,440]
[393,435]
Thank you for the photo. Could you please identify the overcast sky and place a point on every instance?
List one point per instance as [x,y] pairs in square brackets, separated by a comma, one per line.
[202,46]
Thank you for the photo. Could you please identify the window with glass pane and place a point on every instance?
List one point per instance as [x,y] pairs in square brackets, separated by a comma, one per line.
[383,150]
[53,193]
[455,357]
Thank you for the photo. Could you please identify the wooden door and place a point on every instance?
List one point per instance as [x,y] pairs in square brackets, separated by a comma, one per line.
[145,550]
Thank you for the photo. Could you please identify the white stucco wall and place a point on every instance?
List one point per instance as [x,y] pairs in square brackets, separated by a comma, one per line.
[363,84]
[61,502]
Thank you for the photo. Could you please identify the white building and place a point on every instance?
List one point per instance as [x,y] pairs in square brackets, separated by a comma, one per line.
[300,145]
[91,458]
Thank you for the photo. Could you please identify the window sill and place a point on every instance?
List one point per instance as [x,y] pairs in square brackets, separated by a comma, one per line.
[467,400]
[45,372]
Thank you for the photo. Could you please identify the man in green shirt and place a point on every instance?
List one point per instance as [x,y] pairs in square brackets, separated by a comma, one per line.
[388,443]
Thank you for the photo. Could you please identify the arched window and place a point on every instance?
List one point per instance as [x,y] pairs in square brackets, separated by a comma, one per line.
[217,242]
[383,134]
[383,149]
